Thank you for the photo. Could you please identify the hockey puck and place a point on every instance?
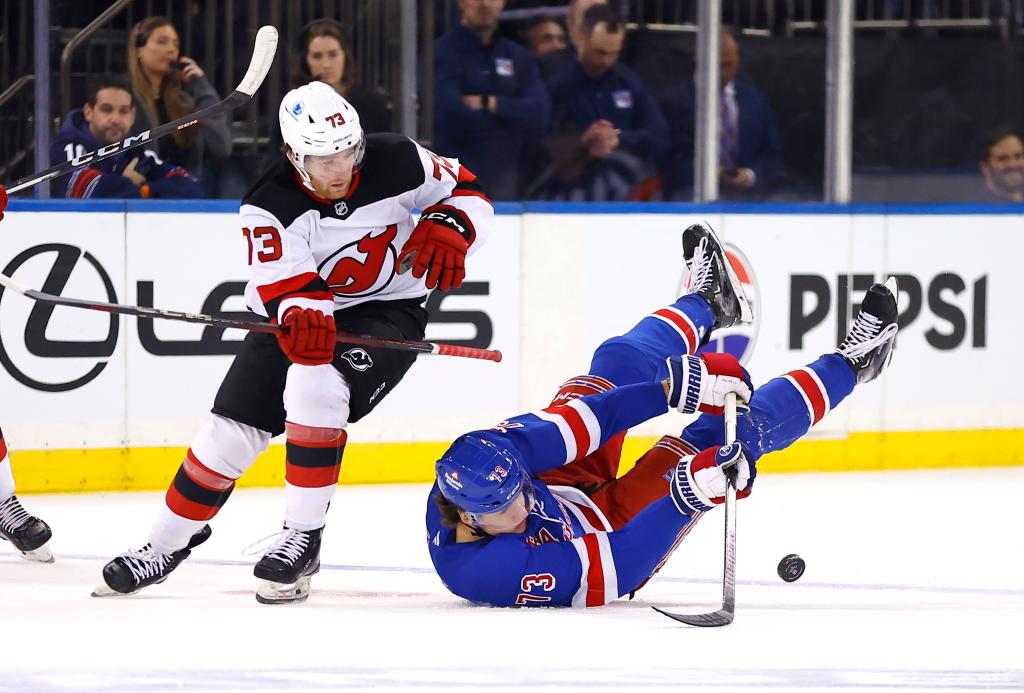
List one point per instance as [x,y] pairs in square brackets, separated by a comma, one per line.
[791,567]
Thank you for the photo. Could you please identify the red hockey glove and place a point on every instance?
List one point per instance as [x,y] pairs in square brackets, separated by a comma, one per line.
[703,382]
[308,336]
[3,201]
[439,242]
[699,481]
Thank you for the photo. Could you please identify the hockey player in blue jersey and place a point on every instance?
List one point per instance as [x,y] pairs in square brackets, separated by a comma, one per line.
[531,513]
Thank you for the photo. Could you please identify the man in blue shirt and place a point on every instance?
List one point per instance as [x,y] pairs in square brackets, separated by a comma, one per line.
[107,118]
[606,128]
[489,100]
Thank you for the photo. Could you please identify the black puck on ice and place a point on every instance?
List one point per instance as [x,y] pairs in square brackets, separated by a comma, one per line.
[791,567]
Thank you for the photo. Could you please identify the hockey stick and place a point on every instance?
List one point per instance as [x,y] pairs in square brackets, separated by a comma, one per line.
[251,325]
[723,616]
[262,57]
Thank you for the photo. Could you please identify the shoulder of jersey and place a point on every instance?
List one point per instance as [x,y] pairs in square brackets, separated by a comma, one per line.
[391,166]
[278,192]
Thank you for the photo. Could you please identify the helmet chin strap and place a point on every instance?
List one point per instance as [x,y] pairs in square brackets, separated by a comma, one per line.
[295,161]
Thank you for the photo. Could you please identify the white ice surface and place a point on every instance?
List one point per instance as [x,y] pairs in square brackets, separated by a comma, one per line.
[915,581]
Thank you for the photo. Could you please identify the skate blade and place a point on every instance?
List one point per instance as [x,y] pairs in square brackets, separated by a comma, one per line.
[268,592]
[105,591]
[746,312]
[40,555]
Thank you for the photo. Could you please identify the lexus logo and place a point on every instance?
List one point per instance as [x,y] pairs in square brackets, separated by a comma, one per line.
[36,342]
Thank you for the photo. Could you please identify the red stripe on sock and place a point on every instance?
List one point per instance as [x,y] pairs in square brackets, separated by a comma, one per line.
[203,475]
[813,392]
[183,507]
[311,477]
[678,320]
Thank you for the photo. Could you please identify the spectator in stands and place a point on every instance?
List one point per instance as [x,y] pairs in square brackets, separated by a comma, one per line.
[607,129]
[556,61]
[545,35]
[489,100]
[749,149]
[169,86]
[324,54]
[106,118]
[1002,164]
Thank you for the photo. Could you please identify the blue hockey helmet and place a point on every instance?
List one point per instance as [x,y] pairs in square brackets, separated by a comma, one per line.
[479,476]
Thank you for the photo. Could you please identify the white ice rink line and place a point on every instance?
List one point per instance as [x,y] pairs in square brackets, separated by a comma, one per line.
[915,582]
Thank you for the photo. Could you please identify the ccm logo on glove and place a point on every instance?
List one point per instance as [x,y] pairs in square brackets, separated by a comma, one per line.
[438,247]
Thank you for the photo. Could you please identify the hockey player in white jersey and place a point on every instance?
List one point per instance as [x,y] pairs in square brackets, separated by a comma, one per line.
[330,236]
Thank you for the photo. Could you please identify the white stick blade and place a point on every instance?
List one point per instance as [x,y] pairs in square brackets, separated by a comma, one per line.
[262,58]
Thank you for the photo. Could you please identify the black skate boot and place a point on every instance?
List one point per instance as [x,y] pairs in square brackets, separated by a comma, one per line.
[712,277]
[29,534]
[868,346]
[285,570]
[131,571]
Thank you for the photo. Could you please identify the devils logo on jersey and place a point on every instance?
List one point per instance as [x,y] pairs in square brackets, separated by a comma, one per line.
[358,359]
[362,268]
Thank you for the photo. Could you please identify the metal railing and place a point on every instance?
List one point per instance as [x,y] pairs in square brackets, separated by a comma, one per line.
[81,37]
[955,15]
[16,130]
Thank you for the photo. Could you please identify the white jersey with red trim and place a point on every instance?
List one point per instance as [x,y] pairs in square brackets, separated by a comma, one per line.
[568,554]
[312,252]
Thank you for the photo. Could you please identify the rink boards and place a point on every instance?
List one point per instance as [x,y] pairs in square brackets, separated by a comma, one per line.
[92,401]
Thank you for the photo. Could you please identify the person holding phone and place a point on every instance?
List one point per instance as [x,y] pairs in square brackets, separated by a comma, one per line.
[168,86]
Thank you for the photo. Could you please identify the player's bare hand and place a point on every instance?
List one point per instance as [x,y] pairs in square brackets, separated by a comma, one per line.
[191,70]
[129,172]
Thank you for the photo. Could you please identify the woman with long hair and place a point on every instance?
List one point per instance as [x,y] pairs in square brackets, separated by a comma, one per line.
[324,54]
[169,86]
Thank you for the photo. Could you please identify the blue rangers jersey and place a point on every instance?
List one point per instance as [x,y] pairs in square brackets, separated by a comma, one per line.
[567,555]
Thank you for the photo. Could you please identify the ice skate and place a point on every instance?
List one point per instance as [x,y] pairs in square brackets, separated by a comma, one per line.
[28,533]
[868,346]
[285,571]
[131,571]
[712,277]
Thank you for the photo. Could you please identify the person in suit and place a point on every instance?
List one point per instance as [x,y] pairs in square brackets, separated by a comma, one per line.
[749,148]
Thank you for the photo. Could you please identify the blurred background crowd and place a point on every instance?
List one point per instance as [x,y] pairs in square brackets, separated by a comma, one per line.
[587,100]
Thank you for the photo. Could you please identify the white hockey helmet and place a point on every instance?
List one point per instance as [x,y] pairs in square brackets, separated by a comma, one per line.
[318,121]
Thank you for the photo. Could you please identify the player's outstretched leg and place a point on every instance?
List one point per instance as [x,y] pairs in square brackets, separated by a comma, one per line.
[712,277]
[785,408]
[285,571]
[28,533]
[133,570]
